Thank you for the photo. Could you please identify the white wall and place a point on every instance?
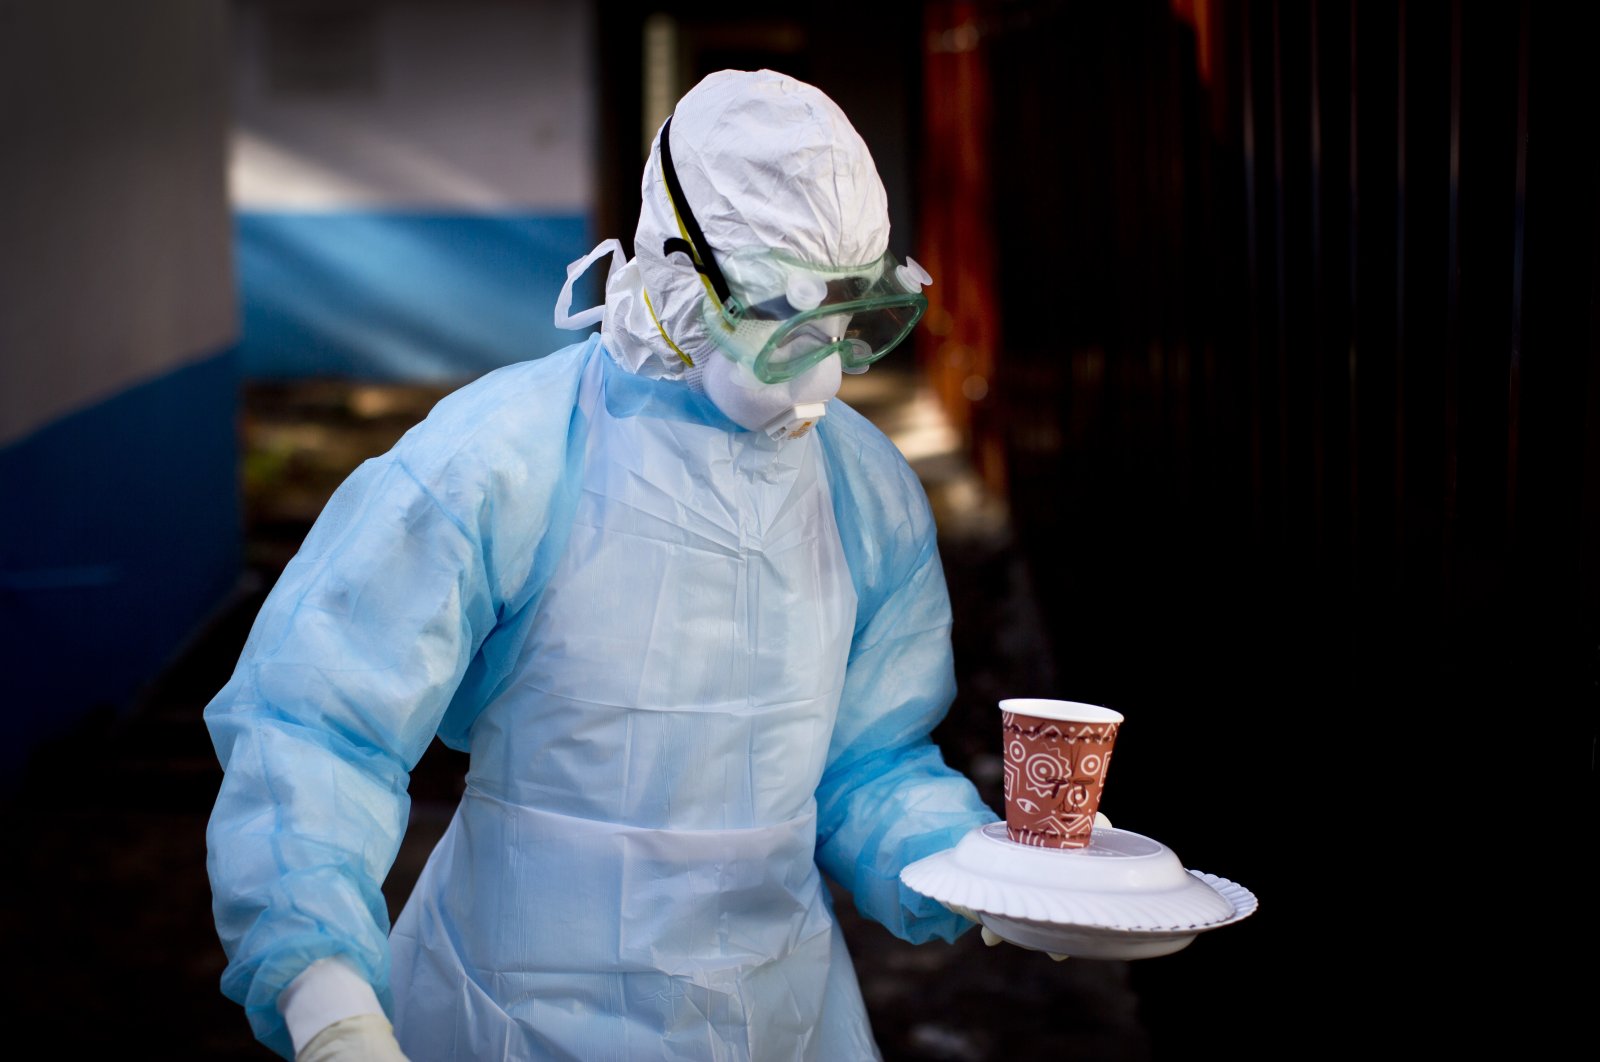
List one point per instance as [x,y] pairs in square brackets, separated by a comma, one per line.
[477,105]
[114,228]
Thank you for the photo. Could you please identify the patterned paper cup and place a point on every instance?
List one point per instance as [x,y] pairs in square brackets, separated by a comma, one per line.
[1056,756]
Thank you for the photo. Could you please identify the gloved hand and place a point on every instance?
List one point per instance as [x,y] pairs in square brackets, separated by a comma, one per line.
[361,1038]
[990,937]
[333,1015]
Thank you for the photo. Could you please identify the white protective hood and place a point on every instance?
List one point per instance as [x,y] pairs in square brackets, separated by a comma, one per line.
[764,161]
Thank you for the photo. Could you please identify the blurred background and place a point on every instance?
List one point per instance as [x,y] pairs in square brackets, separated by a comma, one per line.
[1258,400]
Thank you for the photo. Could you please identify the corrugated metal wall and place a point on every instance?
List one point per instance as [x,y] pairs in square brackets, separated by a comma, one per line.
[1297,385]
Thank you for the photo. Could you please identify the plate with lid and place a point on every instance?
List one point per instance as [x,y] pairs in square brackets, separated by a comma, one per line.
[1122,896]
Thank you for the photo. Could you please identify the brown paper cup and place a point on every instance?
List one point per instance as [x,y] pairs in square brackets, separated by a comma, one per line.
[1056,756]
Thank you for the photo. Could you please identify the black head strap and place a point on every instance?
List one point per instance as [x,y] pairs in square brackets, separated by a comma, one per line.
[696,247]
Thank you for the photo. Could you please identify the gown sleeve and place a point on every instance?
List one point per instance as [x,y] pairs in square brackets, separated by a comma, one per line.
[349,670]
[887,798]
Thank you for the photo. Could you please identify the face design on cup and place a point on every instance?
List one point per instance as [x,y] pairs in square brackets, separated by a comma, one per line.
[1055,772]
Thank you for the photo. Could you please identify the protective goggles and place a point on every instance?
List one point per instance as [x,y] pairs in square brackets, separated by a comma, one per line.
[778,316]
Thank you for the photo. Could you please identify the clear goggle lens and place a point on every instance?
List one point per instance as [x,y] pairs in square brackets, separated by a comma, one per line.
[786,315]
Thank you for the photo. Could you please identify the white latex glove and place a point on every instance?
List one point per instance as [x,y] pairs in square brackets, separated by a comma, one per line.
[990,937]
[362,1038]
[333,1015]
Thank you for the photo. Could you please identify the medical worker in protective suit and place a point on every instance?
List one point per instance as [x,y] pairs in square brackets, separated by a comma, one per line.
[685,612]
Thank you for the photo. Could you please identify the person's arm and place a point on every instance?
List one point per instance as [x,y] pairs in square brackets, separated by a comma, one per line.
[401,610]
[348,670]
[887,798]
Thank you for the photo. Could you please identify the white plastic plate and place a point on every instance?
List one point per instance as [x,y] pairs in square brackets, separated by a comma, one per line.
[1124,896]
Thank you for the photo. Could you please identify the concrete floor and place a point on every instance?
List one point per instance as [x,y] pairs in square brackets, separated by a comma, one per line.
[108,908]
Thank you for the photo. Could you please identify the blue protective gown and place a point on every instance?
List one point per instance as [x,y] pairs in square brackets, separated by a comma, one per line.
[691,666]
